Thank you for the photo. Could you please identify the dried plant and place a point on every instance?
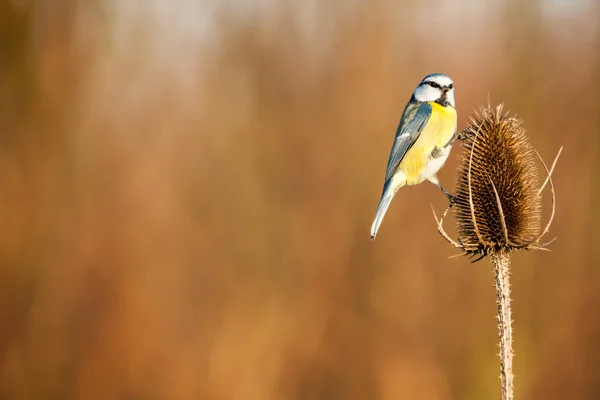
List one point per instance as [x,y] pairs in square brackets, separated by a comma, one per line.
[498,208]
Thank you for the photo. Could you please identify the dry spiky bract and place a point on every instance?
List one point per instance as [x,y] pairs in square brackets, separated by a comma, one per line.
[497,205]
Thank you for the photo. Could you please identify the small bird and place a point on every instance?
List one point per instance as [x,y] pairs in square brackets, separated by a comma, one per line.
[423,141]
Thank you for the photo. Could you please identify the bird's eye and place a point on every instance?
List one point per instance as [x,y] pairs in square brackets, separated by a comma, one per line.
[450,86]
[434,84]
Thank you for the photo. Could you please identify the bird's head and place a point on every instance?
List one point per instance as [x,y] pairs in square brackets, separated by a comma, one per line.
[436,87]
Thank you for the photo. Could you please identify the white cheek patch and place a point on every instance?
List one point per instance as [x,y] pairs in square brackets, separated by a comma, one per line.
[450,98]
[427,93]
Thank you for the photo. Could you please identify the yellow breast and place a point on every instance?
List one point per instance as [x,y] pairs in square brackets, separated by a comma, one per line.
[437,133]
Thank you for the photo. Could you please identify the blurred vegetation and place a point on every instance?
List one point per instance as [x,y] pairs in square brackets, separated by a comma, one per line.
[186,192]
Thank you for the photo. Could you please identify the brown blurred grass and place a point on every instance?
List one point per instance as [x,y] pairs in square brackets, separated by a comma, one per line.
[185,206]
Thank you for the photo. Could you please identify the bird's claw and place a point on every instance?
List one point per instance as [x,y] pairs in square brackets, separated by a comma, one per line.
[451,198]
[462,135]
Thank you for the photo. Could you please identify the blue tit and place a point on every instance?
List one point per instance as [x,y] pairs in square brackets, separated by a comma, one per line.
[423,141]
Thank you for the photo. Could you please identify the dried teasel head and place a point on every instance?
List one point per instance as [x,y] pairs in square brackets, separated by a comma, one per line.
[498,197]
[497,202]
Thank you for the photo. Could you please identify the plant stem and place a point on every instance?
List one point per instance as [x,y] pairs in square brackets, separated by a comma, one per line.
[501,262]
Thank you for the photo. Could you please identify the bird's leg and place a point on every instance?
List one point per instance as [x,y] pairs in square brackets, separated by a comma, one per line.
[450,197]
[436,182]
[460,135]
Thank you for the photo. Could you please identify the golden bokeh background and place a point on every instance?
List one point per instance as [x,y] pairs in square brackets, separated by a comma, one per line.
[186,191]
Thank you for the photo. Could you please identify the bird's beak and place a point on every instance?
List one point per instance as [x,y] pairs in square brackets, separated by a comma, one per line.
[445,90]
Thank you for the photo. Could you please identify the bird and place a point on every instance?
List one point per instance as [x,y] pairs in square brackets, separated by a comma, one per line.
[423,141]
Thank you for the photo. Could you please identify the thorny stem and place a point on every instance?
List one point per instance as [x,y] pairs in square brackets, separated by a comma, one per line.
[501,262]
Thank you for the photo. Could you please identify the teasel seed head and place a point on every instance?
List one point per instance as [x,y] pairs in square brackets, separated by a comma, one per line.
[498,207]
[498,196]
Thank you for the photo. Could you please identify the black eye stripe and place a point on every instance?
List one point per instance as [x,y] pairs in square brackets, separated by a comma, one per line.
[437,86]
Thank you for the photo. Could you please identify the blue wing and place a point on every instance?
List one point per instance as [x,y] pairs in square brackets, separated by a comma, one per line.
[414,118]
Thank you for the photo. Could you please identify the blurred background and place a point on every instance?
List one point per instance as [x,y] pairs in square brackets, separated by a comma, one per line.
[186,191]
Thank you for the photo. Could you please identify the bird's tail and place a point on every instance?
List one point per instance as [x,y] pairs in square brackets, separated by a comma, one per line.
[386,198]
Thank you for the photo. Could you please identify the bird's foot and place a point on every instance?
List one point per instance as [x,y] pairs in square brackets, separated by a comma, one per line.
[462,135]
[451,198]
